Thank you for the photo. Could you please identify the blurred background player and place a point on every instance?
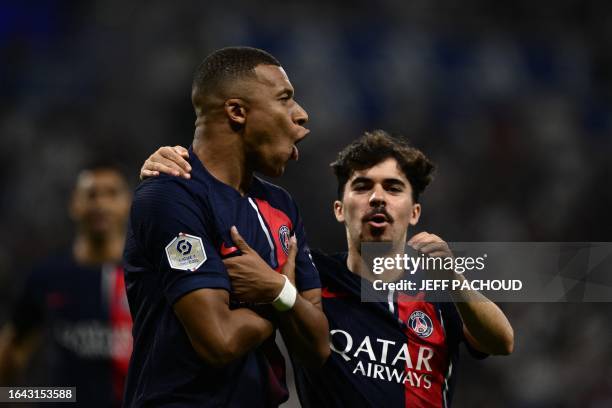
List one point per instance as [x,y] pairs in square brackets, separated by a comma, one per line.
[73,305]
[402,351]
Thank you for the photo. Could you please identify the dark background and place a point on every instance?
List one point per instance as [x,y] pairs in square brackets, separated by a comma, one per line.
[511,99]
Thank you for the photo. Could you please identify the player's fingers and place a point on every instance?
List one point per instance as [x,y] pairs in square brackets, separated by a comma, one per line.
[438,254]
[182,151]
[170,154]
[420,237]
[239,241]
[167,166]
[430,247]
[145,174]
[418,245]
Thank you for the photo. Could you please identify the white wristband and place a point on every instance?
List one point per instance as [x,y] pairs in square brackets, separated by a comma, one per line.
[286,298]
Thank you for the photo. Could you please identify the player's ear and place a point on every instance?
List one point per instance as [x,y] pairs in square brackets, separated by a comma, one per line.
[415,214]
[236,111]
[339,210]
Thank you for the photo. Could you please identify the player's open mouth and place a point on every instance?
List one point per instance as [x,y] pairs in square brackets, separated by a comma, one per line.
[378,220]
[295,153]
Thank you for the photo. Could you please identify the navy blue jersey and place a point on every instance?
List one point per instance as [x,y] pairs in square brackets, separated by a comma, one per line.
[178,234]
[397,352]
[85,319]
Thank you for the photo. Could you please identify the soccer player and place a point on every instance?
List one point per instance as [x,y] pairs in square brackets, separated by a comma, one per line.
[401,352]
[199,339]
[74,303]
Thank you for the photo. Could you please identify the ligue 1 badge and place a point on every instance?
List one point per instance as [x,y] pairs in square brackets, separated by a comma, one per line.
[283,237]
[186,252]
[420,323]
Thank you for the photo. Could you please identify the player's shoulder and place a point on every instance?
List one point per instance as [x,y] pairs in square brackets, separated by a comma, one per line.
[326,263]
[52,266]
[61,258]
[274,190]
[169,192]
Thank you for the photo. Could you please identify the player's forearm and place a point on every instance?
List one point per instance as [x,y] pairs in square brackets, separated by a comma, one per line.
[306,332]
[240,331]
[486,323]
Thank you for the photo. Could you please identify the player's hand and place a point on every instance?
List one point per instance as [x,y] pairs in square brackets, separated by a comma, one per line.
[289,267]
[430,244]
[169,160]
[253,280]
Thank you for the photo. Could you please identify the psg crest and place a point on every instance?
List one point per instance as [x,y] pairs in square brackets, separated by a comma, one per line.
[283,237]
[420,323]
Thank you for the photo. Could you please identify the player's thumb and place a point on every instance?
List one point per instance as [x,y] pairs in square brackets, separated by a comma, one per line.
[238,240]
[289,267]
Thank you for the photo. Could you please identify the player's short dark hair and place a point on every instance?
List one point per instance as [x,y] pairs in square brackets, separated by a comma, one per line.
[375,147]
[101,164]
[228,64]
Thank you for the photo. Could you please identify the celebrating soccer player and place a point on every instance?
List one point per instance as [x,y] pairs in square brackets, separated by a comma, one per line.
[200,339]
[402,351]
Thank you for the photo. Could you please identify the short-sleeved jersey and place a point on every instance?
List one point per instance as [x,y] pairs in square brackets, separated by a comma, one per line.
[178,235]
[396,352]
[86,325]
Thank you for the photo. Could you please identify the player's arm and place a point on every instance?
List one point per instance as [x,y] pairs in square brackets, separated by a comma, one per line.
[220,335]
[303,325]
[171,230]
[16,349]
[305,329]
[485,326]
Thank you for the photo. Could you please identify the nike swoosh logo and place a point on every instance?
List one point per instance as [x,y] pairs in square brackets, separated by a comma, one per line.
[225,251]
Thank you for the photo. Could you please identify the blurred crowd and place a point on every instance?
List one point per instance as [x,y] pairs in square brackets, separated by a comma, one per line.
[512,101]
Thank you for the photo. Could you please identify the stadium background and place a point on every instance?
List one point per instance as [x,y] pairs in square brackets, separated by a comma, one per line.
[511,99]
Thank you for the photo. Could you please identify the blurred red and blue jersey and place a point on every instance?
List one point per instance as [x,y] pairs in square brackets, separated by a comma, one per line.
[86,324]
[178,234]
[396,351]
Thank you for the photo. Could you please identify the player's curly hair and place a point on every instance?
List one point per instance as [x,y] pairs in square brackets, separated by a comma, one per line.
[376,146]
[228,64]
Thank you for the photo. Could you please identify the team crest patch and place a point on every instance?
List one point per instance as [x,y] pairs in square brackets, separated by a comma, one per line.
[420,323]
[186,252]
[283,237]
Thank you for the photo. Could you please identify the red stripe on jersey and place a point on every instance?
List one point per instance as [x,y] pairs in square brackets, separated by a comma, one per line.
[428,353]
[121,326]
[276,220]
[326,293]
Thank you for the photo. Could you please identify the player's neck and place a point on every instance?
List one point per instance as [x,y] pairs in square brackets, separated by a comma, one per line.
[223,157]
[91,251]
[357,265]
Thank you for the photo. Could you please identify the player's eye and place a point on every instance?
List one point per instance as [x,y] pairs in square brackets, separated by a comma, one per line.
[360,187]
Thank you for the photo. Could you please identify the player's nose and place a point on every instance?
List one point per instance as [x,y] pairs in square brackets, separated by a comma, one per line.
[377,198]
[300,116]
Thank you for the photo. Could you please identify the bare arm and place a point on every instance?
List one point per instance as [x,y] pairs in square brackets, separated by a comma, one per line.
[304,327]
[224,335]
[15,352]
[485,326]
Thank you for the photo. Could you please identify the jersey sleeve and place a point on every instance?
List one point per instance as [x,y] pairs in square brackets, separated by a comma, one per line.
[171,229]
[306,274]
